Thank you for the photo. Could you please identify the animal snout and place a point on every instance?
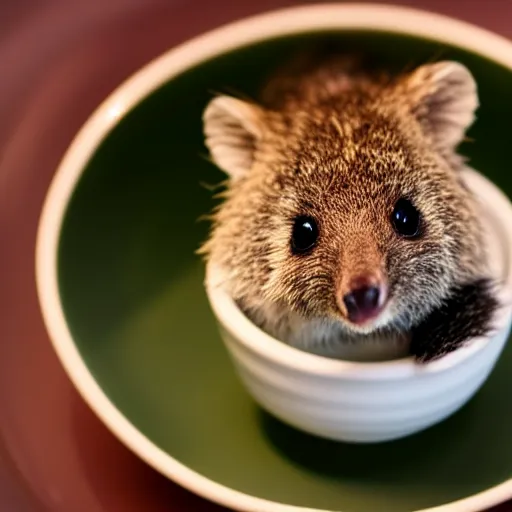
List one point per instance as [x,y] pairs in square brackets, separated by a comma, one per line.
[364,300]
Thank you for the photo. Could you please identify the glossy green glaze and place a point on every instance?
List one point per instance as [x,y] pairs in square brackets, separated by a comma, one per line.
[134,299]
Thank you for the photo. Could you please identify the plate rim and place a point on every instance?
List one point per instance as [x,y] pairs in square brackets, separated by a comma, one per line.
[250,30]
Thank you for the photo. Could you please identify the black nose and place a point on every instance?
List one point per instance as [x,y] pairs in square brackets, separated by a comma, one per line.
[362,303]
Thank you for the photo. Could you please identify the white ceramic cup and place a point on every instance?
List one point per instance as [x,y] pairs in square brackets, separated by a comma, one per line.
[370,401]
[254,351]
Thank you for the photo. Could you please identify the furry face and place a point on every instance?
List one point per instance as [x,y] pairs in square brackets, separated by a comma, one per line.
[344,209]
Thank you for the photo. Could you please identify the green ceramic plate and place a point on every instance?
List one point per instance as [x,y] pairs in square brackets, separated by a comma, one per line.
[122,290]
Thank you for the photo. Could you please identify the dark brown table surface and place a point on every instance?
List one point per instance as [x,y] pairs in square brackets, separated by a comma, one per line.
[58,60]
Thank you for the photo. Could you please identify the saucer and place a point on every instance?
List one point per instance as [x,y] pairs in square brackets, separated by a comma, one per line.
[131,324]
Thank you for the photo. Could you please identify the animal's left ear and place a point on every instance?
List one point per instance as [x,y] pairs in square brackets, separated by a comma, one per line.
[443,97]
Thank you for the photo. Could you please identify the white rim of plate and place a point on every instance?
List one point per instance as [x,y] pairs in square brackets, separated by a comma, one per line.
[295,20]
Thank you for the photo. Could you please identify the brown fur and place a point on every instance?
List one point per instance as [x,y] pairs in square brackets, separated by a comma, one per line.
[343,146]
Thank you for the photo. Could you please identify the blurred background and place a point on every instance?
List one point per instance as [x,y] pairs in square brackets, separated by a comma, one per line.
[58,60]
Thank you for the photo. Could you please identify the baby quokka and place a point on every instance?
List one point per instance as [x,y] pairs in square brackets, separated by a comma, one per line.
[345,228]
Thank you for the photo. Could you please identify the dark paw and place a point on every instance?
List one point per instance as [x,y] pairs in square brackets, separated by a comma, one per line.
[467,313]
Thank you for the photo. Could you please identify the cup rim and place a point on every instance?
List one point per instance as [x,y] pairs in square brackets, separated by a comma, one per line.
[277,23]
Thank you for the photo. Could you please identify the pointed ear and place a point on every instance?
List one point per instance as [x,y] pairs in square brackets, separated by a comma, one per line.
[232,129]
[443,98]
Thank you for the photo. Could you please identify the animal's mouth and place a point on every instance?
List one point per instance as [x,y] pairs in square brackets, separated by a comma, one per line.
[366,317]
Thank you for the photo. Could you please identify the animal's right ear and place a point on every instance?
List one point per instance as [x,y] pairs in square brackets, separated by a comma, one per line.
[443,97]
[232,128]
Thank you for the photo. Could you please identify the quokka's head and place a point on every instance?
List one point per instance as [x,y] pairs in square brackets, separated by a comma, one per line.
[348,206]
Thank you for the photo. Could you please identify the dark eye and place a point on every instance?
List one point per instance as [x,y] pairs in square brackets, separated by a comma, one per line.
[304,234]
[406,218]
